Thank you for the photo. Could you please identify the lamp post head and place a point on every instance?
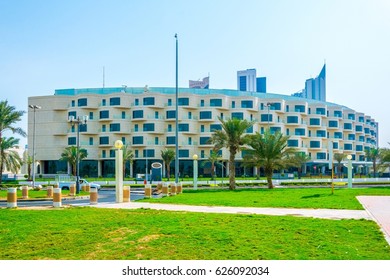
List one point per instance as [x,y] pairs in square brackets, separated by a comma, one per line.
[349,157]
[118,144]
[195,157]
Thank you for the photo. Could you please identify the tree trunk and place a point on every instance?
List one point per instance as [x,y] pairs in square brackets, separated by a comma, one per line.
[232,171]
[268,174]
[168,171]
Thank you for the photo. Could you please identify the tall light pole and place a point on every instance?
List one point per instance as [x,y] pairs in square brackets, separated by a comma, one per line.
[34,107]
[177,115]
[349,157]
[195,158]
[78,121]
[268,105]
[118,171]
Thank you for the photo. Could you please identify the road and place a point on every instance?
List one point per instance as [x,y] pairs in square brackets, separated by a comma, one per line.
[104,196]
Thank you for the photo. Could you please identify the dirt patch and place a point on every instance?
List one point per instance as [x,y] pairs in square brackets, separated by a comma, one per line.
[148,238]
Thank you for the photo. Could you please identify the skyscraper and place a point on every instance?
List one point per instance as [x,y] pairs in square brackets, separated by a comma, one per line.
[247,81]
[315,88]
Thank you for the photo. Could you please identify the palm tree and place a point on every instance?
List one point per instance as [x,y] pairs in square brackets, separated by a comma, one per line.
[298,160]
[232,136]
[70,155]
[373,154]
[270,151]
[339,157]
[213,159]
[9,159]
[128,156]
[168,156]
[8,116]
[29,162]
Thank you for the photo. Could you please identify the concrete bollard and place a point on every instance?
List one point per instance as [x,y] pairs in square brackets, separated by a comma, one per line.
[72,190]
[179,188]
[25,192]
[56,185]
[49,190]
[11,198]
[126,193]
[165,189]
[93,196]
[57,197]
[88,187]
[148,191]
[173,188]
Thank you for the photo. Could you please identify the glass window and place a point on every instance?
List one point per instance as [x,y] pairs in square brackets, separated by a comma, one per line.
[214,127]
[148,101]
[351,136]
[91,141]
[171,140]
[104,154]
[320,111]
[148,153]
[321,133]
[333,124]
[183,101]
[169,102]
[135,127]
[203,140]
[292,119]
[82,102]
[335,145]
[184,127]
[202,103]
[202,128]
[347,126]
[184,153]
[189,140]
[136,102]
[238,115]
[71,140]
[314,121]
[273,129]
[250,130]
[338,114]
[233,104]
[72,114]
[115,101]
[104,140]
[123,115]
[359,148]
[300,108]
[137,140]
[338,135]
[148,127]
[73,103]
[103,102]
[359,128]
[205,115]
[138,114]
[292,143]
[171,114]
[275,106]
[90,115]
[156,115]
[215,102]
[169,127]
[351,117]
[83,127]
[115,127]
[104,114]
[321,155]
[266,117]
[347,147]
[112,153]
[155,140]
[246,104]
[103,128]
[315,144]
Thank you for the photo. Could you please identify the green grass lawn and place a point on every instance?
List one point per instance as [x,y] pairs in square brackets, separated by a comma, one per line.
[36,194]
[94,234]
[287,197]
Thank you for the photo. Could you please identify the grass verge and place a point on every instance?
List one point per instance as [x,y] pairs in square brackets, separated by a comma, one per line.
[295,198]
[101,234]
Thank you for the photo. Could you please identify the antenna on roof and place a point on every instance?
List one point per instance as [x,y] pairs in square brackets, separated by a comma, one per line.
[103,76]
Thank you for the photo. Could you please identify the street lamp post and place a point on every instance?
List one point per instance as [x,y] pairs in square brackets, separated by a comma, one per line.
[349,157]
[34,107]
[78,121]
[177,115]
[119,171]
[268,105]
[195,158]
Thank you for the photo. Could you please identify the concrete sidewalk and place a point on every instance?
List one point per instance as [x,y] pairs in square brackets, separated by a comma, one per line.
[315,213]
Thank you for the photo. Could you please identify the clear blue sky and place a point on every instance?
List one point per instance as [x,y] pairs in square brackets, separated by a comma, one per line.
[48,45]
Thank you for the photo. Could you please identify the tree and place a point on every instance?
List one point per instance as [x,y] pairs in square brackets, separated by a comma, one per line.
[9,159]
[298,160]
[270,151]
[373,155]
[232,137]
[213,159]
[29,162]
[70,155]
[128,156]
[8,117]
[168,156]
[339,157]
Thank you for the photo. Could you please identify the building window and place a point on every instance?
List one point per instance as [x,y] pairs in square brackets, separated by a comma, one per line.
[266,117]
[103,102]
[335,145]
[338,114]
[138,114]
[115,127]
[359,148]
[123,115]
[104,154]
[361,138]
[148,101]
[300,108]
[169,102]
[136,128]
[136,102]
[103,128]
[273,130]
[321,133]
[104,140]
[243,83]
[171,140]
[338,135]
[189,141]
[90,115]
[71,114]
[203,140]
[214,127]
[347,126]
[205,115]
[202,103]
[201,128]
[184,153]
[112,153]
[249,130]
[292,119]
[83,127]
[351,137]
[124,140]
[359,128]
[138,140]
[215,102]
[184,101]
[238,115]
[320,111]
[351,117]
[71,140]
[189,115]
[315,144]
[148,127]
[155,140]
[90,141]
[184,127]
[169,128]
[361,119]
[73,103]
[246,104]
[321,155]
[201,153]
[233,104]
[156,115]
[136,153]
[148,153]
[115,101]
[292,143]
[82,102]
[170,114]
[104,114]
[348,147]
[333,124]
[315,121]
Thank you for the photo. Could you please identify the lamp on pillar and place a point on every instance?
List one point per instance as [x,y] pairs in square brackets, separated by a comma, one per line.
[119,171]
[195,158]
[349,157]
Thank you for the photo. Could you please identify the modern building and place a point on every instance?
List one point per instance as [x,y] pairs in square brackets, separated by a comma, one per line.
[144,119]
[204,83]
[247,81]
[315,88]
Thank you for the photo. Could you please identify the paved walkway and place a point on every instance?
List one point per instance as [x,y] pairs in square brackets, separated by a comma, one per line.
[377,208]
